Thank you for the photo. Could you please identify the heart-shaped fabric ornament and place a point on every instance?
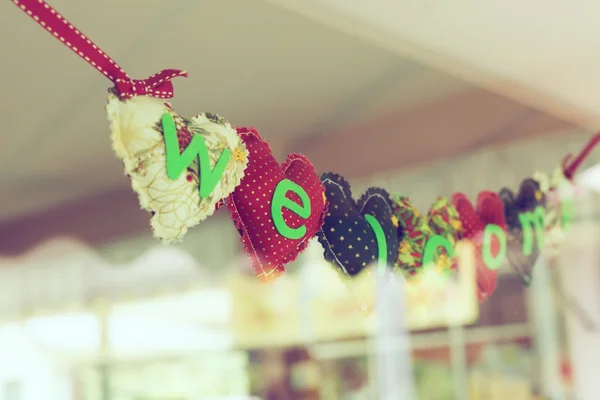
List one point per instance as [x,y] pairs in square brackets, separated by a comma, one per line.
[490,210]
[522,209]
[442,219]
[357,234]
[180,168]
[276,208]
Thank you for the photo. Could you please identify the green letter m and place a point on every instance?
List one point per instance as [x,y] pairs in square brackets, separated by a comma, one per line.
[533,219]
[178,162]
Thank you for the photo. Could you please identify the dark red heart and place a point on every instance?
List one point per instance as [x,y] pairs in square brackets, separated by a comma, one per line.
[490,210]
[250,206]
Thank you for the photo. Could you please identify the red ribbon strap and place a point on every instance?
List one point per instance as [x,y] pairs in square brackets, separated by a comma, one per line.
[158,85]
[570,169]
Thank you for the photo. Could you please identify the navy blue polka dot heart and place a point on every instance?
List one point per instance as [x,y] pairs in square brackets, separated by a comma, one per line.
[357,234]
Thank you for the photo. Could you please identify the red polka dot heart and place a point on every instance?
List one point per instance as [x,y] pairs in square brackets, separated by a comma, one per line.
[276,208]
[489,211]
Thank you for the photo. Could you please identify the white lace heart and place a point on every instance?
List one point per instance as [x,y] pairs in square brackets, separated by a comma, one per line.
[137,139]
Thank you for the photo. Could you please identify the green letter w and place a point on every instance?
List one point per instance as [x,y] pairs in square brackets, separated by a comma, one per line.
[178,162]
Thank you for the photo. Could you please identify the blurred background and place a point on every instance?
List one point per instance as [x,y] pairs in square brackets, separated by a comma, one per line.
[423,98]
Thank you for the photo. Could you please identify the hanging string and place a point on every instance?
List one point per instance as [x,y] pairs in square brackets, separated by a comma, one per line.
[158,85]
[570,169]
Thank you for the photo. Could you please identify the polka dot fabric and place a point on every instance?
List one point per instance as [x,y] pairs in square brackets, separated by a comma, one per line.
[348,239]
[527,199]
[490,210]
[250,206]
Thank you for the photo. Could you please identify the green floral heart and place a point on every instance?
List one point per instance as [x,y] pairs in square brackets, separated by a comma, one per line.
[442,219]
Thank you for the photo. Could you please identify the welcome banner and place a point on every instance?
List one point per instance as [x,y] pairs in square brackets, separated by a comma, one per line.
[183,169]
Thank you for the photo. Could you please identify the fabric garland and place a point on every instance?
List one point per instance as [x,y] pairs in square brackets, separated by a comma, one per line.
[183,169]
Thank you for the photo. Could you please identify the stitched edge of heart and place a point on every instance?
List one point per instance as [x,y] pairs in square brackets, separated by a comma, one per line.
[374,192]
[341,182]
[241,227]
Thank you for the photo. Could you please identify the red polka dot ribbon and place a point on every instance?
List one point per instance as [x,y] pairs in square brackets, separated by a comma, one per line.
[571,165]
[158,85]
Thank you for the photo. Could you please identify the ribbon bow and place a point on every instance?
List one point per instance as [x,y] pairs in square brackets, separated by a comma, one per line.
[158,85]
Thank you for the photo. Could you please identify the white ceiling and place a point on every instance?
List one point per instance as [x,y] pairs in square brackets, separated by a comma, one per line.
[540,52]
[254,62]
